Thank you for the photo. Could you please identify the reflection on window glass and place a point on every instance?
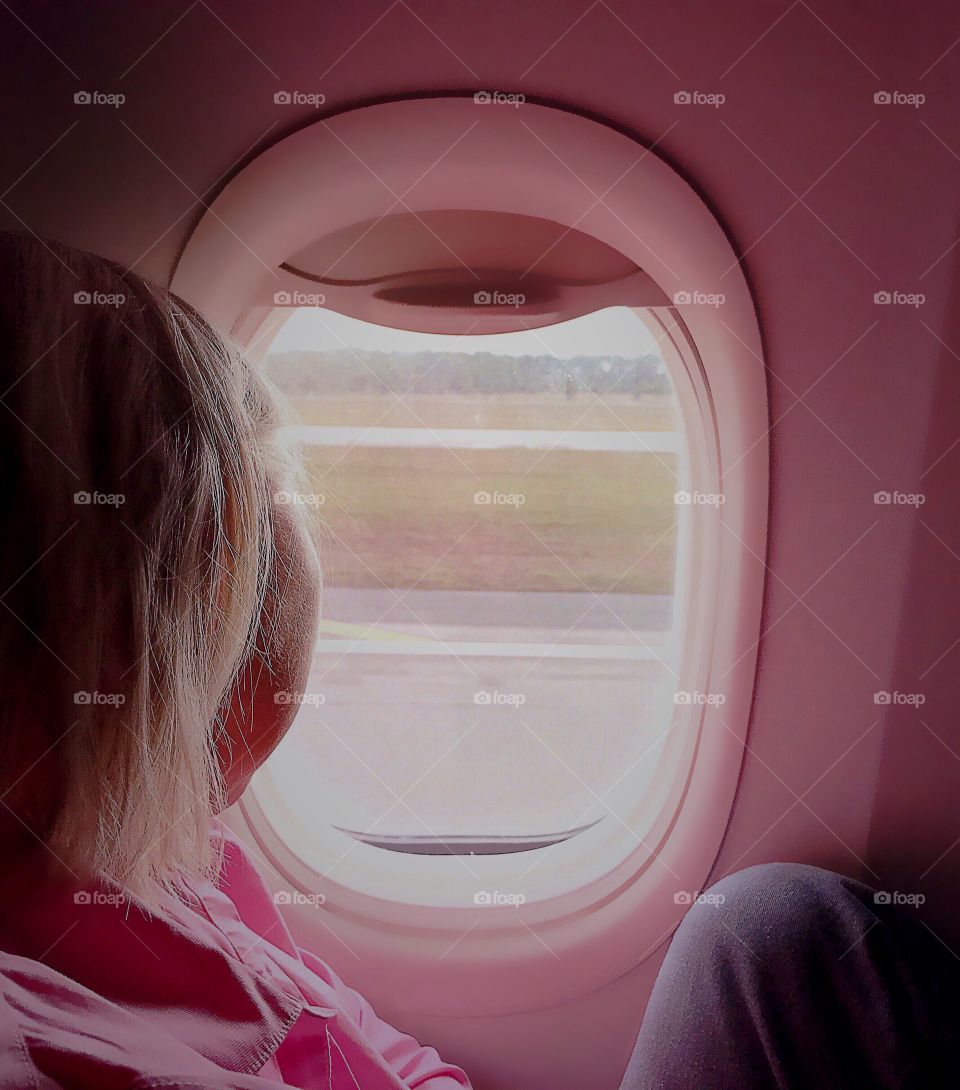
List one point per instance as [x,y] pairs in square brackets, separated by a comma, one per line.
[499,543]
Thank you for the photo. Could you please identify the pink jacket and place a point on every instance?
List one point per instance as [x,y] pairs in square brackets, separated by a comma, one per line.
[216,996]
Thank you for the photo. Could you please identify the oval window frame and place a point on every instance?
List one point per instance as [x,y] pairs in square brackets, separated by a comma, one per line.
[552,163]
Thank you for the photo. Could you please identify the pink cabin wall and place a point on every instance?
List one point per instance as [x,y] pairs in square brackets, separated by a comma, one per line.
[878,193]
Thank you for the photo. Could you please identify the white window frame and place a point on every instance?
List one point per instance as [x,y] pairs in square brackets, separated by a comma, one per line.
[606,898]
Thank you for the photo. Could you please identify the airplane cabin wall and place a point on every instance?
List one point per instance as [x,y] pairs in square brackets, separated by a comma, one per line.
[829,196]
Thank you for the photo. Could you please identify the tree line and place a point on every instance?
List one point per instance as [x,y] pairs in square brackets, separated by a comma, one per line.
[341,371]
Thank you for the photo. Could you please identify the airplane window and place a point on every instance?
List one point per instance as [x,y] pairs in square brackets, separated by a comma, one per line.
[500,525]
[526,717]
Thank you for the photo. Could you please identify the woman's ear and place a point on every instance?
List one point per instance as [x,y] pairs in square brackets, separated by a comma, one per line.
[266,696]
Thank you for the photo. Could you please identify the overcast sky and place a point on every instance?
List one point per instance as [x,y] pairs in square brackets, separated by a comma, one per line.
[616,331]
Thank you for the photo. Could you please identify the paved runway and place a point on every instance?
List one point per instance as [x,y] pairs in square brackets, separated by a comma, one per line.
[637,442]
[519,739]
[521,609]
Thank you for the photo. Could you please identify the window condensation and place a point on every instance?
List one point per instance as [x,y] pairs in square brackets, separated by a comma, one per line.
[498,533]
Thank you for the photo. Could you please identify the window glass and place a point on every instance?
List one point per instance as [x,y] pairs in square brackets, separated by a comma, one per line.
[499,538]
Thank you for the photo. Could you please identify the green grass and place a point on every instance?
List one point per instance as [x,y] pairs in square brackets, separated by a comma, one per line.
[400,518]
[592,521]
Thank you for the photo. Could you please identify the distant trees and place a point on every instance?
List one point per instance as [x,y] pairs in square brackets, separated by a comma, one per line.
[304,374]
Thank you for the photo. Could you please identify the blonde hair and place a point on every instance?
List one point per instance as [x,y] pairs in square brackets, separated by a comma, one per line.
[136,553]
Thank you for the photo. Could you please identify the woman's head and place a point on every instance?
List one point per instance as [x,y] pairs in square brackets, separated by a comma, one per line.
[154,597]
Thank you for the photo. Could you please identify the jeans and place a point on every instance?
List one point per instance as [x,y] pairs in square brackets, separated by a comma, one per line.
[800,980]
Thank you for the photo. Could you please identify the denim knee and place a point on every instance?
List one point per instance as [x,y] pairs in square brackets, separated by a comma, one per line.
[768,909]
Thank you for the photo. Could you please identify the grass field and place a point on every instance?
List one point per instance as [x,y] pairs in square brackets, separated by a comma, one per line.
[408,517]
[577,521]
